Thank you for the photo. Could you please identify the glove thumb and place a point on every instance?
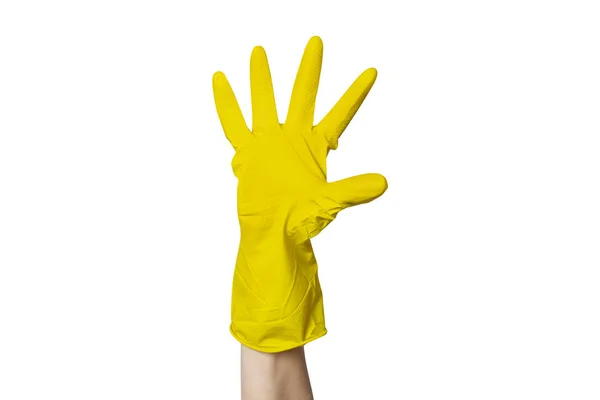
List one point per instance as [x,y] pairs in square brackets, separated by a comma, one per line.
[335,197]
[356,190]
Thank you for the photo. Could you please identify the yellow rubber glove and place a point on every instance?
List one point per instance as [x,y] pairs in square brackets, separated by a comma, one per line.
[284,199]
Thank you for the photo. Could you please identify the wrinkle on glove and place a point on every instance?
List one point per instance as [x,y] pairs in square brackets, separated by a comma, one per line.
[284,200]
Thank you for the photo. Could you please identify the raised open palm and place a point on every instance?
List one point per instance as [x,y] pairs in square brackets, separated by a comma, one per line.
[282,167]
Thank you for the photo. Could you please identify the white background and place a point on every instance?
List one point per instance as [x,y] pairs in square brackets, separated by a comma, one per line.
[476,276]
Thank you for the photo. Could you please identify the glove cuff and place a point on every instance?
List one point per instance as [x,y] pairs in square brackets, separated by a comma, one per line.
[305,324]
[277,302]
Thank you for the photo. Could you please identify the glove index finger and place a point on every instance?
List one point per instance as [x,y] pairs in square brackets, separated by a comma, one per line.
[337,119]
[228,109]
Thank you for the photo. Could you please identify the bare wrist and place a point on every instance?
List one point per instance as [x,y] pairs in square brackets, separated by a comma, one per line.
[275,376]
